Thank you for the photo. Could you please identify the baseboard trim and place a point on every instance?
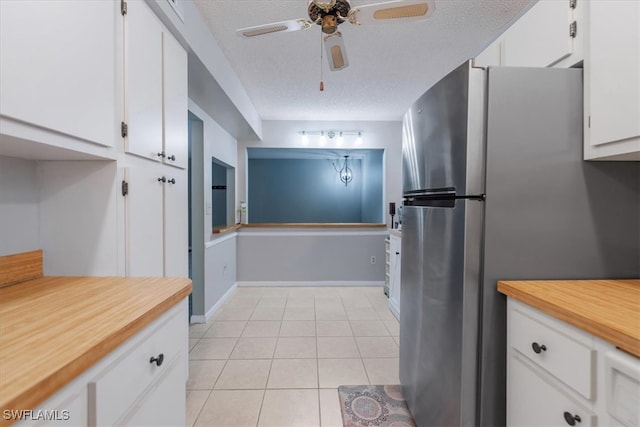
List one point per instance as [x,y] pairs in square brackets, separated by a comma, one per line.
[313,283]
[209,314]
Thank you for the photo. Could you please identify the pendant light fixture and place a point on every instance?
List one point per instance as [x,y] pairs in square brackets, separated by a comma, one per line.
[345,173]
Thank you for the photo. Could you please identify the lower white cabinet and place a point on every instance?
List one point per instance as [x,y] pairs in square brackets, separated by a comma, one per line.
[559,375]
[156,208]
[140,383]
[394,273]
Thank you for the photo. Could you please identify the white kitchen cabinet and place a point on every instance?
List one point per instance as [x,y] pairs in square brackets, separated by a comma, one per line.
[155,89]
[60,63]
[541,37]
[558,374]
[612,80]
[130,386]
[394,273]
[176,224]
[156,222]
[175,101]
[550,34]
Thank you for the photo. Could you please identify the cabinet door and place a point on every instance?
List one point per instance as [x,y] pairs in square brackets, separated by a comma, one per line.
[394,276]
[143,208]
[534,401]
[176,226]
[612,79]
[541,37]
[143,88]
[175,101]
[164,404]
[58,62]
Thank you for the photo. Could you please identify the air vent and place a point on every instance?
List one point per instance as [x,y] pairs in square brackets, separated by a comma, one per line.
[402,12]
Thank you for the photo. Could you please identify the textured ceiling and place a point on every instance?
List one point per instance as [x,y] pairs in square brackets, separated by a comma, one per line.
[390,65]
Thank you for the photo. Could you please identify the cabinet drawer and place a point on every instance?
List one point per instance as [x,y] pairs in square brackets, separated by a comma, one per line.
[533,401]
[164,403]
[117,388]
[569,360]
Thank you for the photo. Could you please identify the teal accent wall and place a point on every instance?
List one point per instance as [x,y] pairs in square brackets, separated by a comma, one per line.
[310,190]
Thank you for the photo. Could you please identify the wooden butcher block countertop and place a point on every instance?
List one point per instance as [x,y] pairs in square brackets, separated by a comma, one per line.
[54,328]
[608,309]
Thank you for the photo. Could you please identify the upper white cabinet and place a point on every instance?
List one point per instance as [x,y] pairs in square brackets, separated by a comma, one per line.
[143,87]
[542,37]
[549,34]
[59,66]
[175,101]
[155,89]
[612,80]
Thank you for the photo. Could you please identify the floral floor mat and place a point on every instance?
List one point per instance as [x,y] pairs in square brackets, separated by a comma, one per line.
[374,405]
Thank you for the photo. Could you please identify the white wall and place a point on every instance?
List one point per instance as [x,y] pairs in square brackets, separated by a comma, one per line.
[218,257]
[385,135]
[18,206]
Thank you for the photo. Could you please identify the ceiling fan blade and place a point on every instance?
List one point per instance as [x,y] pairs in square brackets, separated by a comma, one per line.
[336,52]
[276,27]
[392,11]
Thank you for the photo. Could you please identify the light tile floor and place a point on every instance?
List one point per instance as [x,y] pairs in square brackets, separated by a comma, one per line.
[274,356]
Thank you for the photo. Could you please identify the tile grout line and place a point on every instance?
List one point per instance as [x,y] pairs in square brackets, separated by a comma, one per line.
[195,420]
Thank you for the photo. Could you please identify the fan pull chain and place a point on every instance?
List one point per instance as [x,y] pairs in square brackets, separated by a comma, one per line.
[321,66]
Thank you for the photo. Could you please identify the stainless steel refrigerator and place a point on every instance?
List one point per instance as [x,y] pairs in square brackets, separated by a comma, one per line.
[495,188]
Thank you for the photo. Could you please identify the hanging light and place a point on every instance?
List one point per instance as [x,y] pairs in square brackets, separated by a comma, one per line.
[359,139]
[322,138]
[340,139]
[305,138]
[345,173]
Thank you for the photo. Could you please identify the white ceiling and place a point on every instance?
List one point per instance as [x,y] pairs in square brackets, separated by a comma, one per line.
[390,65]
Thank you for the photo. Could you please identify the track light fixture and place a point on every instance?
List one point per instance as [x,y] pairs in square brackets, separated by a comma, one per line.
[333,135]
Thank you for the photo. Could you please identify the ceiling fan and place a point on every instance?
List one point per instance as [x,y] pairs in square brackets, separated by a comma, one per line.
[331,13]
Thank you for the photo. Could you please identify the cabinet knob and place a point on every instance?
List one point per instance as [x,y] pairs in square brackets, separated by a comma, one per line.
[397,253]
[158,361]
[537,348]
[171,181]
[571,419]
[172,158]
[162,179]
[161,154]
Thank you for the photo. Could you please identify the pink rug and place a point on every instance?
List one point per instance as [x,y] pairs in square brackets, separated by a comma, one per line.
[374,405]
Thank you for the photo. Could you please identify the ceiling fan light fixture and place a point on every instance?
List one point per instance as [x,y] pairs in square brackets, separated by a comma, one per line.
[336,53]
